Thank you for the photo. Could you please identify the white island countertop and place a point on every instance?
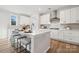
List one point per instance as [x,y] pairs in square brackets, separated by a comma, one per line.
[36,33]
[40,40]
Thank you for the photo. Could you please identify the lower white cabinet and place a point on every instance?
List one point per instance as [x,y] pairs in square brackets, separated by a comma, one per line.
[71,36]
[54,34]
[66,36]
[60,35]
[75,36]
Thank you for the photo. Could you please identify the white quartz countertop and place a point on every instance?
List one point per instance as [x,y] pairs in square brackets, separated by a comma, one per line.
[35,33]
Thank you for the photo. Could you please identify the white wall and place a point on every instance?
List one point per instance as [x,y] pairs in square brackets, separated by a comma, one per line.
[4,21]
[25,20]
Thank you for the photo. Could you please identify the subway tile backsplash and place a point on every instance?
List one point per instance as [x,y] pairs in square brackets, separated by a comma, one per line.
[71,27]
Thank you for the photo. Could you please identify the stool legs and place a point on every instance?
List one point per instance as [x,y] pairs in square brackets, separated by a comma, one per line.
[20,45]
[17,45]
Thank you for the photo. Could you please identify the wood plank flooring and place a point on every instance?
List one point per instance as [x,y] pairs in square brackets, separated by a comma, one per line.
[55,47]
[5,46]
[62,47]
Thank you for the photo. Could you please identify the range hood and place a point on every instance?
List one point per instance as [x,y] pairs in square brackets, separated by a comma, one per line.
[55,16]
[55,13]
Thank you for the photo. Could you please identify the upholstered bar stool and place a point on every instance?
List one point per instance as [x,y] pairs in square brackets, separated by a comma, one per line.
[16,37]
[24,42]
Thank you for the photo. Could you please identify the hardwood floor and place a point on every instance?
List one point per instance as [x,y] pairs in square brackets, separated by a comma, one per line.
[5,46]
[62,47]
[55,47]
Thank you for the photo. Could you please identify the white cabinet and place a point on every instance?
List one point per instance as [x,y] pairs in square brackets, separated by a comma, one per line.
[75,36]
[62,17]
[45,19]
[69,16]
[67,35]
[54,34]
[65,16]
[75,15]
[60,37]
[71,36]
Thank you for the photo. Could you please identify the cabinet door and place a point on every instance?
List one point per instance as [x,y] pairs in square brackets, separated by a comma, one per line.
[45,19]
[62,16]
[67,16]
[60,35]
[75,36]
[67,36]
[54,34]
[77,16]
[51,35]
[73,15]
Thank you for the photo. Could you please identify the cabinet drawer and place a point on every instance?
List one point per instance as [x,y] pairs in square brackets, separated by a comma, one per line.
[77,21]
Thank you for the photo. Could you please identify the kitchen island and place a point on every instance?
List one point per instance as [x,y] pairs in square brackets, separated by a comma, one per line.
[40,41]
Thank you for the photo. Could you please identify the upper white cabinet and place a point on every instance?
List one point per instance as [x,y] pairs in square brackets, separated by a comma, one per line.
[69,16]
[45,19]
[65,16]
[75,15]
[62,17]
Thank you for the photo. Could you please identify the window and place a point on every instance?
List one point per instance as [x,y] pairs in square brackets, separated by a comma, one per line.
[13,20]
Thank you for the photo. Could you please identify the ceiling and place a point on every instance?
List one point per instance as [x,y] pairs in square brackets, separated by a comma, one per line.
[29,9]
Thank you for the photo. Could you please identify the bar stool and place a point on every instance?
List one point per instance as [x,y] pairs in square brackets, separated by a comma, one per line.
[16,37]
[24,42]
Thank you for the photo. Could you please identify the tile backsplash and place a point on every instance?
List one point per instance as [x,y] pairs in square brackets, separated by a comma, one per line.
[70,27]
[44,26]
